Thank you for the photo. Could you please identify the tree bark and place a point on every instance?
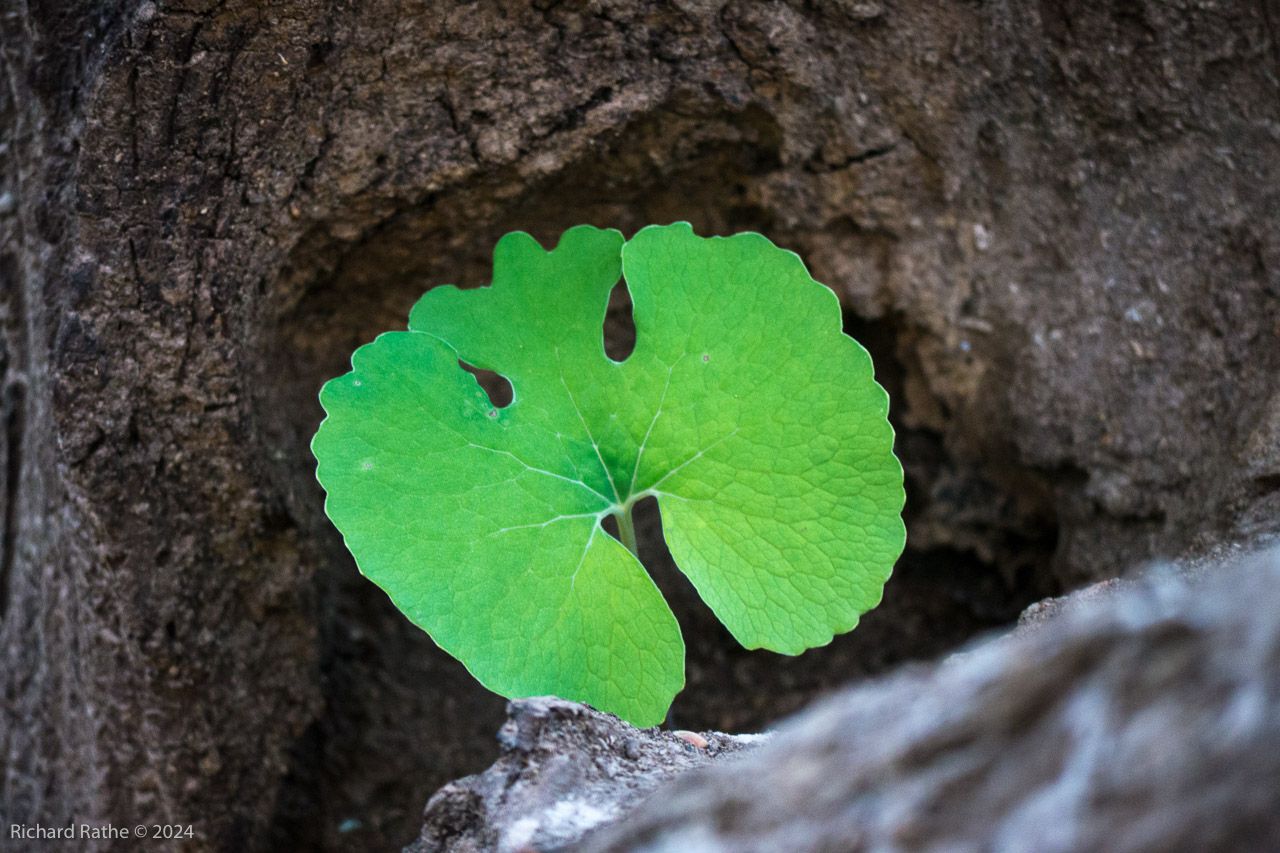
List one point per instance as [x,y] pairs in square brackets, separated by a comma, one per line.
[1052,223]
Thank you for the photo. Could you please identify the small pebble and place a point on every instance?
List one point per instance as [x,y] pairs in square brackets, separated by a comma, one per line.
[631,749]
[692,737]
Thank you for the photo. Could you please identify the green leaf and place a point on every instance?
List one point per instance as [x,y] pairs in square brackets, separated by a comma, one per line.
[744,409]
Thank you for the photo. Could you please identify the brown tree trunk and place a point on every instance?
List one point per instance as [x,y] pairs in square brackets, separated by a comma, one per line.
[1053,224]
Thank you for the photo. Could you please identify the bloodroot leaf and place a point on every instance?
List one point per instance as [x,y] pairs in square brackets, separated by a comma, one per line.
[744,409]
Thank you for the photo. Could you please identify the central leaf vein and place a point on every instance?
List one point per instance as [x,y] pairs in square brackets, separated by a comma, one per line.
[596,447]
[656,414]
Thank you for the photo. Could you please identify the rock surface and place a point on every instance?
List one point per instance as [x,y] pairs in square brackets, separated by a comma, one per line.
[1141,719]
[565,769]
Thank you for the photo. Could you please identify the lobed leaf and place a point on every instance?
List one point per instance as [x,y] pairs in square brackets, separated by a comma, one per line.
[744,409]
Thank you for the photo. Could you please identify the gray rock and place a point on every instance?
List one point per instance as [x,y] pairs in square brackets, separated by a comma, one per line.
[1139,717]
[565,769]
[1147,720]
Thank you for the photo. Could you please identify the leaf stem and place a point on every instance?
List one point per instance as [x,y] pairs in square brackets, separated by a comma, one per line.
[628,530]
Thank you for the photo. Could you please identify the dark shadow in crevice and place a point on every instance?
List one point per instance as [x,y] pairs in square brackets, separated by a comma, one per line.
[619,329]
[646,516]
[495,385]
[988,506]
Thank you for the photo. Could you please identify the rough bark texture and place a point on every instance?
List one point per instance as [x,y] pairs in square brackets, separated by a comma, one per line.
[1138,719]
[1053,224]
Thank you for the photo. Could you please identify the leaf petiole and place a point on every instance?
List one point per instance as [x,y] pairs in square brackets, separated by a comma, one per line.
[627,529]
